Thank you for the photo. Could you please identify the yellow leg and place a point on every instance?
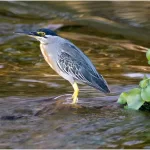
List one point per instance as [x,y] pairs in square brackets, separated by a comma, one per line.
[75,94]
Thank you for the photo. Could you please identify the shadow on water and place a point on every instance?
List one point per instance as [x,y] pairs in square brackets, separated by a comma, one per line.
[35,113]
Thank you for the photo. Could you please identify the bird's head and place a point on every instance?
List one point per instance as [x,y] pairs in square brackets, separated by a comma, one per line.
[43,35]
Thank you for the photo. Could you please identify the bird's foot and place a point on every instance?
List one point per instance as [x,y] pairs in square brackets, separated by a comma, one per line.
[75,101]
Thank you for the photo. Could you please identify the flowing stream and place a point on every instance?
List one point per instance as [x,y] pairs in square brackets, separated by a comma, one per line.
[34,101]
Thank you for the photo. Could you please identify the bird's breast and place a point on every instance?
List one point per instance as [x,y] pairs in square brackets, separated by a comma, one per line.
[47,56]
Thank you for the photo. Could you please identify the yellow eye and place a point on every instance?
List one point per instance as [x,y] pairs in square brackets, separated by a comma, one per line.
[41,33]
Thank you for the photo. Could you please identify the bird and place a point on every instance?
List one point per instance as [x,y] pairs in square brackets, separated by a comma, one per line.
[68,61]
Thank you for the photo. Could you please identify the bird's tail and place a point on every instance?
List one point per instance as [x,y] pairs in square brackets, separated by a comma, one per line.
[100,84]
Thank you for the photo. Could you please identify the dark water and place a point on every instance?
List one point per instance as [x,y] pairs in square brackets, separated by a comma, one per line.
[115,35]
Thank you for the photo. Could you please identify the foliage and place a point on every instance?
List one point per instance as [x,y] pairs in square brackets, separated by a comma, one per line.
[137,97]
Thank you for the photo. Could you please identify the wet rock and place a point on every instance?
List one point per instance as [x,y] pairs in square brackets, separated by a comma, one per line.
[63,104]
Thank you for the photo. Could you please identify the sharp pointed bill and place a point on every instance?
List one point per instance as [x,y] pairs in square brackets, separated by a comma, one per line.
[41,35]
[34,34]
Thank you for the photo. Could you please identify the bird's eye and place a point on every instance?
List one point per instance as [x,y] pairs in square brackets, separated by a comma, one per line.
[41,34]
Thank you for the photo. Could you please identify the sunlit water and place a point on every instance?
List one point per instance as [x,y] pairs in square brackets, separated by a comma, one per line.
[34,105]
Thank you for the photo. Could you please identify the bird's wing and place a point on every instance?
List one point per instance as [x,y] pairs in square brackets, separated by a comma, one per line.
[70,66]
[72,61]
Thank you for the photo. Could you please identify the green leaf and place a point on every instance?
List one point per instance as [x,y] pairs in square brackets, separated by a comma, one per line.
[145,93]
[144,83]
[126,107]
[148,54]
[134,99]
[145,77]
[122,99]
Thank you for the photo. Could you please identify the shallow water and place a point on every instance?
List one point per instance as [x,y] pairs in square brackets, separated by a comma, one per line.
[34,107]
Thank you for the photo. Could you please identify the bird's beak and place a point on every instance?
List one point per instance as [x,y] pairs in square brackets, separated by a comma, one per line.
[33,34]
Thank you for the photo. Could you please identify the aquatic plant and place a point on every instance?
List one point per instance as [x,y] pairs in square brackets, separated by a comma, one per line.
[137,97]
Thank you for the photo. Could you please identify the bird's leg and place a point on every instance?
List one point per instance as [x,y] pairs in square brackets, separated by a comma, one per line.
[75,94]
